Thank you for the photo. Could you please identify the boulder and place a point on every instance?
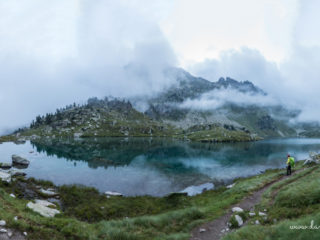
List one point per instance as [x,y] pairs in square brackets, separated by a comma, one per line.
[5,177]
[257,222]
[237,209]
[239,220]
[43,207]
[2,223]
[5,165]
[17,160]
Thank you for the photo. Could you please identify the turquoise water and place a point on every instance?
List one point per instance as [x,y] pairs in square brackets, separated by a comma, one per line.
[139,166]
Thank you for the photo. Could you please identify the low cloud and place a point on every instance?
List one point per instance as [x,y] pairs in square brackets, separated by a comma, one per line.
[219,97]
[294,83]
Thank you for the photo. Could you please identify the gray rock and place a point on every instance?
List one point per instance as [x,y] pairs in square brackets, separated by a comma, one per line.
[43,207]
[251,214]
[10,233]
[237,209]
[201,230]
[48,192]
[12,195]
[257,222]
[110,193]
[239,220]
[17,160]
[2,230]
[231,185]
[2,223]
[5,177]
[262,214]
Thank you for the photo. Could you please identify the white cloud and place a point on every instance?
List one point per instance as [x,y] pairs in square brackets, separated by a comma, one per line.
[53,53]
[218,97]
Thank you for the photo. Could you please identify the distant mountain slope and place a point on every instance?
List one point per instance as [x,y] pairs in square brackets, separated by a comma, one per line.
[168,114]
[167,107]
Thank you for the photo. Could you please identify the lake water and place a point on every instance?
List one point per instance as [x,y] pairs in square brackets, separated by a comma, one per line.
[140,166]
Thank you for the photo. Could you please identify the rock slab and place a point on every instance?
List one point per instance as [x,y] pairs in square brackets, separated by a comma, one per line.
[43,207]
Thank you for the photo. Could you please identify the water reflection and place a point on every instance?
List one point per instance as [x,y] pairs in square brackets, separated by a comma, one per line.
[138,166]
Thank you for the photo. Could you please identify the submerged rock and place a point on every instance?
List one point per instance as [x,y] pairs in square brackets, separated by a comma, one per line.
[43,207]
[17,160]
[195,190]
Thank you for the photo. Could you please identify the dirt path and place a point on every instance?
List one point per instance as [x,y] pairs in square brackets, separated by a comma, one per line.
[216,229]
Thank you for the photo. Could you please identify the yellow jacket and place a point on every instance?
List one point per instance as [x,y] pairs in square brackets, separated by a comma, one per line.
[290,161]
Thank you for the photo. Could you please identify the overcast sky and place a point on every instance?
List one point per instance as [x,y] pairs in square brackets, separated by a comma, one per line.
[53,52]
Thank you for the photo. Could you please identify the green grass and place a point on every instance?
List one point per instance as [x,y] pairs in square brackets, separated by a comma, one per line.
[295,201]
[90,215]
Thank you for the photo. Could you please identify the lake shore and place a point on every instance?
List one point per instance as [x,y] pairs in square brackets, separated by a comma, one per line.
[88,214]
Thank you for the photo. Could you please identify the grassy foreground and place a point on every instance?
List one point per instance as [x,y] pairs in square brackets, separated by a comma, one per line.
[294,210]
[86,214]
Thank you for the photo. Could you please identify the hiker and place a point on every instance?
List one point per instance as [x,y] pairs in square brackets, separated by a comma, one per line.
[290,164]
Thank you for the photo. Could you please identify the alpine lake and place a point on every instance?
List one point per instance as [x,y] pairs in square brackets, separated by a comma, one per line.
[151,166]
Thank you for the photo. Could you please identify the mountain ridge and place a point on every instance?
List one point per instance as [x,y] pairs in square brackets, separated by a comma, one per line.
[165,116]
